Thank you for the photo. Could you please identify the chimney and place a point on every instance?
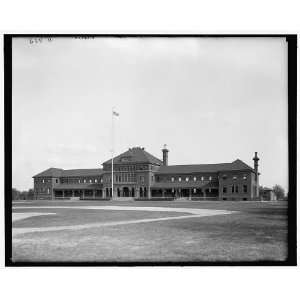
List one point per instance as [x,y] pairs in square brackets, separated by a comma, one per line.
[256,159]
[165,155]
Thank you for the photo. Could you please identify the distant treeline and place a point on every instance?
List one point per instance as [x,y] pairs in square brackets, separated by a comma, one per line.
[22,195]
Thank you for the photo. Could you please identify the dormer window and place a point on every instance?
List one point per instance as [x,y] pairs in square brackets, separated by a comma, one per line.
[210,178]
[245,176]
[179,179]
[186,179]
[172,179]
[195,178]
[202,178]
[84,180]
[224,177]
[234,177]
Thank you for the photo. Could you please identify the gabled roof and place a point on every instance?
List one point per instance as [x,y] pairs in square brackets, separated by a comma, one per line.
[51,172]
[54,172]
[67,186]
[81,172]
[204,168]
[135,155]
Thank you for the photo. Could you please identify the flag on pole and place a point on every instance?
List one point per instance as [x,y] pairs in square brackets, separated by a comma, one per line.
[115,113]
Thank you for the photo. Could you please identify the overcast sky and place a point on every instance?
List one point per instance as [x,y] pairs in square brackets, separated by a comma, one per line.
[211,100]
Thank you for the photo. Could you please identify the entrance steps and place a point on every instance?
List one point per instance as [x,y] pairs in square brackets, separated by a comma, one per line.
[183,199]
[122,199]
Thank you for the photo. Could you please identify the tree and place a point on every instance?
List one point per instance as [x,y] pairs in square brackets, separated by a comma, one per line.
[15,194]
[261,190]
[278,191]
[30,194]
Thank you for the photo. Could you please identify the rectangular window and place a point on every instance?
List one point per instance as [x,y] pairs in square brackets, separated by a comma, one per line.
[236,189]
[232,189]
[224,189]
[245,188]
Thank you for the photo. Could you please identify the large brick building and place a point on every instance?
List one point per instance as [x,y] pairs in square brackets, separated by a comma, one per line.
[140,175]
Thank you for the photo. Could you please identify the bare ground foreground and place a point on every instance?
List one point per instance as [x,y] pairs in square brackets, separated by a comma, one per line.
[148,231]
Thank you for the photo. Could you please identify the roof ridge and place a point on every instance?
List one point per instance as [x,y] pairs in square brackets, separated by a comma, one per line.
[200,164]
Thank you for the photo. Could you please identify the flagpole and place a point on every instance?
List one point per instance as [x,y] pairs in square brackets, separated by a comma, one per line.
[112,153]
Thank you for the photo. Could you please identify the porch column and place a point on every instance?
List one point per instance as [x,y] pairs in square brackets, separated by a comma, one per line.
[82,194]
[163,193]
[94,194]
[103,193]
[190,193]
[149,192]
[204,194]
[63,194]
[72,193]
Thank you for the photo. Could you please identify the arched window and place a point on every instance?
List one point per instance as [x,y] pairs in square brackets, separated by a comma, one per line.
[141,192]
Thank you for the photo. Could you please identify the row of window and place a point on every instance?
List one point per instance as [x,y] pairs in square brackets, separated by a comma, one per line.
[173,179]
[127,177]
[43,180]
[129,168]
[234,177]
[235,189]
[81,180]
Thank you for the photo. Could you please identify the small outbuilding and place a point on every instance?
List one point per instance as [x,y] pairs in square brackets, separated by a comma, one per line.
[268,195]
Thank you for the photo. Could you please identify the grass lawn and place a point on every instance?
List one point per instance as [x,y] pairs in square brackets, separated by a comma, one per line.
[254,231]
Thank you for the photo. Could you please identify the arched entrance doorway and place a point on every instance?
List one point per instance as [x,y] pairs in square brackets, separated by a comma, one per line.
[141,192]
[125,191]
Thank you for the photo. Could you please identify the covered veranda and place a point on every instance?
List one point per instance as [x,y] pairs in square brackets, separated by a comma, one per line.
[67,191]
[205,190]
